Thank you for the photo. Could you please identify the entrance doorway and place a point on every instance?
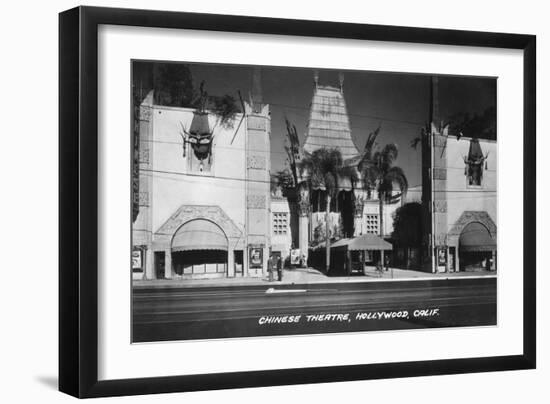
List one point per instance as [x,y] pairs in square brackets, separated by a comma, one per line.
[239,264]
[200,250]
[160,262]
[200,262]
[476,248]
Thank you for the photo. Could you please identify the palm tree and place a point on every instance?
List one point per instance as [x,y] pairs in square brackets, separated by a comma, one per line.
[378,173]
[322,168]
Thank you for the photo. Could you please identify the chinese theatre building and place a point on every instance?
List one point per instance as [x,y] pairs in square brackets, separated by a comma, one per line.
[203,193]
[352,211]
[460,200]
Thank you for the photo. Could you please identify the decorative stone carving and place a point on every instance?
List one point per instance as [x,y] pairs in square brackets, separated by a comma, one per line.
[439,173]
[303,201]
[257,162]
[441,239]
[474,216]
[144,156]
[359,202]
[144,199]
[256,201]
[189,212]
[440,206]
[145,113]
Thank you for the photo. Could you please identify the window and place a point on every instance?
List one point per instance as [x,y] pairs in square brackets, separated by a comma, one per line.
[372,224]
[280,223]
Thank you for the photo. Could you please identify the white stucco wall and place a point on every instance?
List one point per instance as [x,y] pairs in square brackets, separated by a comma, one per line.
[372,207]
[462,197]
[280,242]
[223,186]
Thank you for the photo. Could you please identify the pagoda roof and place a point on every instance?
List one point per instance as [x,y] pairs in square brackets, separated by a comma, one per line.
[329,123]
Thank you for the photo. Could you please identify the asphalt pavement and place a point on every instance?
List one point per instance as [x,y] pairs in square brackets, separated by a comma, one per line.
[162,314]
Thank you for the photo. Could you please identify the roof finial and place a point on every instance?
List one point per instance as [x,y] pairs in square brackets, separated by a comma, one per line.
[316,78]
[341,80]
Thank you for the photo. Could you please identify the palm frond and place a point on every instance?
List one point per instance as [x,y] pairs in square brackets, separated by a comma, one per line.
[396,176]
[389,154]
[349,172]
[371,140]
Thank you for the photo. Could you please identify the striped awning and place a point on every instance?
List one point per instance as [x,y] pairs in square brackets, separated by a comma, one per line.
[476,237]
[199,234]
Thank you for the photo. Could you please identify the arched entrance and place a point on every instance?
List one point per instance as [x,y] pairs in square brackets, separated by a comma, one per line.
[476,248]
[199,250]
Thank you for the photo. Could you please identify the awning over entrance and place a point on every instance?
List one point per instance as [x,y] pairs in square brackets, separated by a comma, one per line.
[476,237]
[199,234]
[364,242]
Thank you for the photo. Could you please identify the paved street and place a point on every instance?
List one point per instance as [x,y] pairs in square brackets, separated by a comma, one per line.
[258,310]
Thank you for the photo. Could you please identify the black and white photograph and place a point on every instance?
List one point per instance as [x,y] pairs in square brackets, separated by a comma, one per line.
[289,201]
[275,202]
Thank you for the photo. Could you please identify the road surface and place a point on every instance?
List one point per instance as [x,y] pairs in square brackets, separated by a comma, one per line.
[163,314]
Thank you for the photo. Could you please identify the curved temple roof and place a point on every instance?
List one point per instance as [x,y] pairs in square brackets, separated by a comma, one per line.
[329,123]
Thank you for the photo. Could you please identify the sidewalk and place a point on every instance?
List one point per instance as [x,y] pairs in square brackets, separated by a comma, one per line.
[309,275]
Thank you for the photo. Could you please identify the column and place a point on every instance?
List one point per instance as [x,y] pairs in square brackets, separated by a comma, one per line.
[230,263]
[457,259]
[303,236]
[303,222]
[168,263]
[358,205]
[263,271]
[246,258]
[149,264]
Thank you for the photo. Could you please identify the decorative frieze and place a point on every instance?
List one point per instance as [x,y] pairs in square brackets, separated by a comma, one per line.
[145,113]
[439,173]
[189,212]
[440,206]
[303,201]
[256,161]
[303,208]
[474,216]
[144,155]
[441,239]
[256,201]
[359,202]
[144,199]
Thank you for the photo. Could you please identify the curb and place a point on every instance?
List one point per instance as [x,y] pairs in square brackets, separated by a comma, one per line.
[143,284]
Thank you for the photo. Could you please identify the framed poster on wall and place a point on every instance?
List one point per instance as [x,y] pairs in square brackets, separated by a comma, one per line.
[189,139]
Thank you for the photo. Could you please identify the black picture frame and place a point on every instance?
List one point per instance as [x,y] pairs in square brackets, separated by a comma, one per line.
[78,201]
